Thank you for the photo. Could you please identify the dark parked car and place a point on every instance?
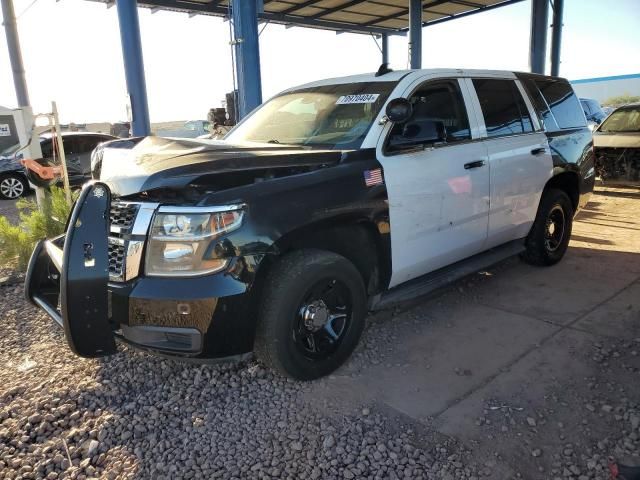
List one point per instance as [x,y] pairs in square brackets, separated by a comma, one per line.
[593,111]
[77,148]
[617,145]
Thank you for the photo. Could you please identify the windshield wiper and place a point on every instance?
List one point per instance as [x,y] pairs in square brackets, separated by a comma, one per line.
[273,140]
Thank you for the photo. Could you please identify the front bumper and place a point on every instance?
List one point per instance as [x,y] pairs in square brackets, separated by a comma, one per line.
[207,317]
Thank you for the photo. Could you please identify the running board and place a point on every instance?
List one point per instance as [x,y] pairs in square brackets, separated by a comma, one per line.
[427,283]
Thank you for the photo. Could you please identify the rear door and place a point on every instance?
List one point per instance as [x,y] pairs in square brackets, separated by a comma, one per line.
[519,158]
[438,190]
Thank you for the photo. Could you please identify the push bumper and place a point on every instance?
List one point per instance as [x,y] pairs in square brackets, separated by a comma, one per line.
[205,317]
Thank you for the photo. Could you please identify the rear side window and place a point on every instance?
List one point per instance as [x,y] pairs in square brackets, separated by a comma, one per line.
[71,145]
[47,148]
[585,106]
[503,107]
[563,103]
[88,143]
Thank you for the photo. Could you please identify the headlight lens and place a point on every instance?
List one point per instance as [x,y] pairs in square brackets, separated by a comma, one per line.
[178,242]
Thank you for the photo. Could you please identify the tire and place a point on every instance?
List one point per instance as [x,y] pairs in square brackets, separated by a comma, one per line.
[549,237]
[312,314]
[12,186]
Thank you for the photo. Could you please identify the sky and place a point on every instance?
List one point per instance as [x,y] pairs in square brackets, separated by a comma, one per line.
[72,54]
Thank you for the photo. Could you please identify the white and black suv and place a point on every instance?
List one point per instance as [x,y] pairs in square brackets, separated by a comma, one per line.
[331,199]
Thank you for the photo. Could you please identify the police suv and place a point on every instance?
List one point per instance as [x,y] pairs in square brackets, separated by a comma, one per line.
[329,200]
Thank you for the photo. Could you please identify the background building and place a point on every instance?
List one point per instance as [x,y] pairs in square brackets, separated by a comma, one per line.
[604,88]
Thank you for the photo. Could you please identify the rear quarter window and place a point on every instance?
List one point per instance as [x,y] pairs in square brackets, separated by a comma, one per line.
[565,107]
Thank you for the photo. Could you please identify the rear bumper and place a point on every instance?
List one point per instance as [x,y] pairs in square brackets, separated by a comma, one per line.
[208,317]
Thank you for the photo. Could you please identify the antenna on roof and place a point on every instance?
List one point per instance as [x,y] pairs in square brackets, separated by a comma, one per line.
[384,69]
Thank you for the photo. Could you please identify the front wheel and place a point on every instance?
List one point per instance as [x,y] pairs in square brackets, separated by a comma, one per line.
[549,237]
[312,314]
[12,186]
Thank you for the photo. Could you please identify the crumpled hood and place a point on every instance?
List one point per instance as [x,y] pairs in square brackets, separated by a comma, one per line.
[131,166]
[617,140]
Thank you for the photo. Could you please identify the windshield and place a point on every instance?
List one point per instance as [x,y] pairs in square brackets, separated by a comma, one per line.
[330,116]
[625,119]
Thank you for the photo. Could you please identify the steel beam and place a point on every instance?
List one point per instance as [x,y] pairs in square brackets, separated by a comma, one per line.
[472,12]
[292,20]
[538,39]
[15,54]
[134,66]
[556,36]
[415,33]
[384,40]
[247,55]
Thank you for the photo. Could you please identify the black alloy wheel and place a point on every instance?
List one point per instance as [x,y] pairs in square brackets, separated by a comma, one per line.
[312,314]
[322,319]
[554,228]
[549,237]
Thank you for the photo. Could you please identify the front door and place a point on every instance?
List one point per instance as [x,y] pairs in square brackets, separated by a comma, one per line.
[438,189]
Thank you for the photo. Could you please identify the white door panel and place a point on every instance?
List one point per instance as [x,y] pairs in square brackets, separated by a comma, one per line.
[438,210]
[520,167]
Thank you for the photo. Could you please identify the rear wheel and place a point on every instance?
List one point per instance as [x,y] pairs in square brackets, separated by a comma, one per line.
[312,314]
[12,186]
[549,237]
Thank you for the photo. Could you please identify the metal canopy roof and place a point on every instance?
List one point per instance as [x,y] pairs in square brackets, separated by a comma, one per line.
[357,16]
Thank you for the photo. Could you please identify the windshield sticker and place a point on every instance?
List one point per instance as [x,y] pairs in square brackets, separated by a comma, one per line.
[5,131]
[362,98]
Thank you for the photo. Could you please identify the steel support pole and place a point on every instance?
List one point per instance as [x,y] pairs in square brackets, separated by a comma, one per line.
[556,36]
[247,53]
[15,55]
[134,66]
[384,40]
[415,33]
[538,39]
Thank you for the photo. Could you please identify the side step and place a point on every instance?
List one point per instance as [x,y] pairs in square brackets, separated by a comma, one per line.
[427,283]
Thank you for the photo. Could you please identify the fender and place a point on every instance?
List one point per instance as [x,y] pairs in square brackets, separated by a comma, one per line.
[572,152]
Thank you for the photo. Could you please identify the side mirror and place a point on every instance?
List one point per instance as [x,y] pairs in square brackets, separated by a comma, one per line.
[399,110]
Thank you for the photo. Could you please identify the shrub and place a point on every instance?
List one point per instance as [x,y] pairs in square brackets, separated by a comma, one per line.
[17,241]
[621,100]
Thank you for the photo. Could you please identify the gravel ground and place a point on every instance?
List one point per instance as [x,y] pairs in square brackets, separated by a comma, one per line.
[136,416]
[8,209]
[133,415]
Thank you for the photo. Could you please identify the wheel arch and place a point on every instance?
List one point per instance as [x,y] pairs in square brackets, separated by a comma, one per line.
[362,241]
[569,182]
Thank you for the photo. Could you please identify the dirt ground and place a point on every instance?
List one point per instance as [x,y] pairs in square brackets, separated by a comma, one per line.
[514,372]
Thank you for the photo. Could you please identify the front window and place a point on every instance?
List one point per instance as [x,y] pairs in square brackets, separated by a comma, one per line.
[329,116]
[625,119]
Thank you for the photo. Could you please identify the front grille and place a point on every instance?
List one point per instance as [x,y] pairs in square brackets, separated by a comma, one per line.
[122,215]
[618,163]
[117,254]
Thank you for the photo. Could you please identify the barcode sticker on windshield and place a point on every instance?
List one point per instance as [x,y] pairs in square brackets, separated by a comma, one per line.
[362,98]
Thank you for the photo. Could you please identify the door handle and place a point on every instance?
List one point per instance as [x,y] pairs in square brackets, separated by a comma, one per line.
[476,164]
[538,151]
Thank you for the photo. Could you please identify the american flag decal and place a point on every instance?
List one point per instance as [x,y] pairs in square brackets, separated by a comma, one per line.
[373,177]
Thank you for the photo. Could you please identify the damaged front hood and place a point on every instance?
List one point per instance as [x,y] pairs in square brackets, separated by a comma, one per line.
[156,162]
[617,140]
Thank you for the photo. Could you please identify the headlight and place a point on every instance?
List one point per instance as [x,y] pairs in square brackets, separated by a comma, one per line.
[180,236]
